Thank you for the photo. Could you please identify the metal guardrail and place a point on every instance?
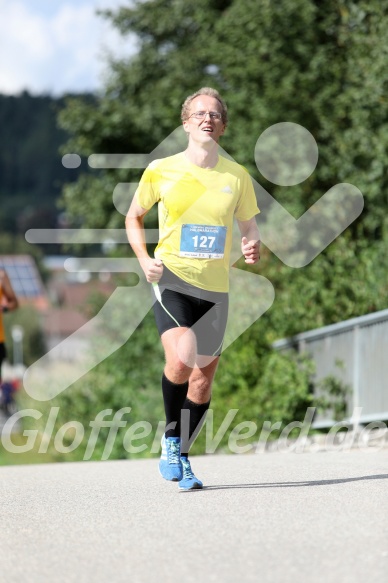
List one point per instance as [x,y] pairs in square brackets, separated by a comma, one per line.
[361,345]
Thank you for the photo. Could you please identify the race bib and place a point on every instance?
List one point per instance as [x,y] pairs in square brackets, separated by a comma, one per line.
[202,241]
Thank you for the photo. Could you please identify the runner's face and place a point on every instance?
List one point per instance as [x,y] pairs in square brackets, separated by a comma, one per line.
[204,130]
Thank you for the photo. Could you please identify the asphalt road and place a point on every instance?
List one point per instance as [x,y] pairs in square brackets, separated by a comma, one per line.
[273,517]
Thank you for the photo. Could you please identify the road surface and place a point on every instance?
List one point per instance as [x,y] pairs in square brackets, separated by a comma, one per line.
[269,517]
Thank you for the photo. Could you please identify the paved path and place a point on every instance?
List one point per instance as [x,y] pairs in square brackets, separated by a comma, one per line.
[274,517]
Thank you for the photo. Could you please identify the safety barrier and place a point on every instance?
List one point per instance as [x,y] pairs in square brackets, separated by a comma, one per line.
[361,346]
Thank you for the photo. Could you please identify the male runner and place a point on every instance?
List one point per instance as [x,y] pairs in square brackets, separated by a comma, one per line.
[198,193]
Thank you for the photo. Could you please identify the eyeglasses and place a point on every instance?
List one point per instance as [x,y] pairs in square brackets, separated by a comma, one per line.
[203,114]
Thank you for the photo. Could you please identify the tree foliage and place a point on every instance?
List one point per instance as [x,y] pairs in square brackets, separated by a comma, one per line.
[321,65]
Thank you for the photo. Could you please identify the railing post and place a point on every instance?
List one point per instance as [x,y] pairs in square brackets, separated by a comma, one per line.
[356,373]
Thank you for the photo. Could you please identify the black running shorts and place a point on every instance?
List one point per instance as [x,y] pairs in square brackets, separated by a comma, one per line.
[177,303]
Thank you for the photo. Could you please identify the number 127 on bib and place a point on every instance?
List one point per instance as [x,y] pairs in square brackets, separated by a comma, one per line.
[203,241]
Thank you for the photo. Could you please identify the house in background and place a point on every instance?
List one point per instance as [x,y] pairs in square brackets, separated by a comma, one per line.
[26,280]
[70,310]
[63,302]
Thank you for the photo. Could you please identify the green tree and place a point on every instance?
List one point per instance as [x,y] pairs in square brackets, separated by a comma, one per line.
[321,65]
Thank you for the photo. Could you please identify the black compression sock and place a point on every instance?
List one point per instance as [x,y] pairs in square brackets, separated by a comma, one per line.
[193,417]
[174,396]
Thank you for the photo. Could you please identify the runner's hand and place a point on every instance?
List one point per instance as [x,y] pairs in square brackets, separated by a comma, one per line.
[250,250]
[153,269]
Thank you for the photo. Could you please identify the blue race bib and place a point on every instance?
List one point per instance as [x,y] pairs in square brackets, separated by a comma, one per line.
[202,241]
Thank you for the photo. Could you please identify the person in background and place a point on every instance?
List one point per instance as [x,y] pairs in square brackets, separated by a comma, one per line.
[8,302]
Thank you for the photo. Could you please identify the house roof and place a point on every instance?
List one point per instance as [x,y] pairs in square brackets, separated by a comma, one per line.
[25,279]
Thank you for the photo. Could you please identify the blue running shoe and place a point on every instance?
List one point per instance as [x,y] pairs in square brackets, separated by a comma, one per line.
[189,481]
[170,465]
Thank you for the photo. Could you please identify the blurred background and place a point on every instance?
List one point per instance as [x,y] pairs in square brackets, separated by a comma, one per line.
[109,77]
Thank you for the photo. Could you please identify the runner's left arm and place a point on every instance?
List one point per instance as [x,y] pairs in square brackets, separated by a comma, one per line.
[250,241]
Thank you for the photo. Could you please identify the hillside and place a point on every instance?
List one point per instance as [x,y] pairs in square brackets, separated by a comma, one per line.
[31,171]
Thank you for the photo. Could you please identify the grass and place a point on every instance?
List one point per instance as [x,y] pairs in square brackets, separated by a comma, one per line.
[8,458]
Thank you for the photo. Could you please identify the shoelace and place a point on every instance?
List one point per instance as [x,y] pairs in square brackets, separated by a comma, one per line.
[187,471]
[173,453]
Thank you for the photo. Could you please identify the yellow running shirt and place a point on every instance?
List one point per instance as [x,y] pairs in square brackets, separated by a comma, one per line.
[196,211]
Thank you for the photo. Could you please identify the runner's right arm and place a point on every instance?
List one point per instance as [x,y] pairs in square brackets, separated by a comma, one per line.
[134,224]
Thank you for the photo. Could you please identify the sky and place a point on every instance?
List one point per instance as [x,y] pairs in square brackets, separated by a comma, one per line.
[57,46]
